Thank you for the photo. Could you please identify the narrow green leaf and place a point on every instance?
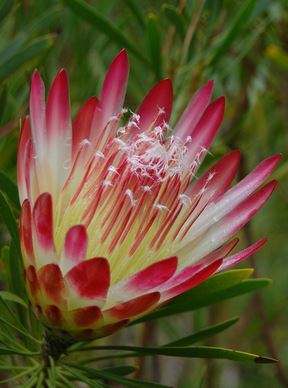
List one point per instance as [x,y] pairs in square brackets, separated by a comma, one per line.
[65,382]
[7,313]
[11,50]
[82,377]
[96,373]
[39,382]
[246,286]
[135,9]
[121,370]
[15,265]
[35,381]
[9,339]
[16,270]
[204,334]
[99,22]
[44,20]
[16,377]
[21,331]
[34,371]
[8,187]
[282,171]
[12,367]
[246,47]
[154,44]
[30,51]
[6,295]
[174,16]
[8,351]
[5,8]
[237,24]
[115,356]
[207,293]
[52,375]
[188,352]
[3,101]
[11,322]
[8,219]
[218,282]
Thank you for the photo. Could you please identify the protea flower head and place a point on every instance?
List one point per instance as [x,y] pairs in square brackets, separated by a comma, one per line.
[115,220]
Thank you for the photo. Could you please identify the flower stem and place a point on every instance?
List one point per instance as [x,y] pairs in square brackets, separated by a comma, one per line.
[53,346]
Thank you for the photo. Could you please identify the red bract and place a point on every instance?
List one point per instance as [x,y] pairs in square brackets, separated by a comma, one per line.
[115,220]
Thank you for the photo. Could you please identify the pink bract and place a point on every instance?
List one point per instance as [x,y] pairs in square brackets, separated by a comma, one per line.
[115,220]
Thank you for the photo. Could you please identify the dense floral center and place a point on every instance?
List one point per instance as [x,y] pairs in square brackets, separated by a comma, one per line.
[152,156]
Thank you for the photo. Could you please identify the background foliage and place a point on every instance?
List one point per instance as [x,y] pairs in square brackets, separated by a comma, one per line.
[243,46]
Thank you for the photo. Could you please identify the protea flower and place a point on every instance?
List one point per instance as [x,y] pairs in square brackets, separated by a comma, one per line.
[115,220]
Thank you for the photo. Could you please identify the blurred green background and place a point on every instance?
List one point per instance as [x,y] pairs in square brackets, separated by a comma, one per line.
[243,46]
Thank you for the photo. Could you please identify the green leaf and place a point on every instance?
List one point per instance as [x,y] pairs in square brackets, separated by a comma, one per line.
[8,187]
[82,377]
[96,373]
[7,351]
[6,312]
[23,331]
[15,265]
[45,20]
[3,102]
[99,22]
[52,375]
[24,54]
[204,334]
[134,7]
[35,381]
[154,44]
[66,383]
[16,270]
[34,371]
[9,338]
[5,8]
[39,380]
[245,287]
[6,295]
[220,281]
[189,352]
[10,50]
[11,320]
[106,357]
[246,47]
[207,293]
[176,18]
[237,24]
[11,367]
[121,370]
[8,219]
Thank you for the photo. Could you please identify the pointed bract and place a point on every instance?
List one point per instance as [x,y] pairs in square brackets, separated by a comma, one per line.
[156,106]
[37,110]
[134,307]
[194,111]
[114,86]
[82,125]
[206,129]
[152,276]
